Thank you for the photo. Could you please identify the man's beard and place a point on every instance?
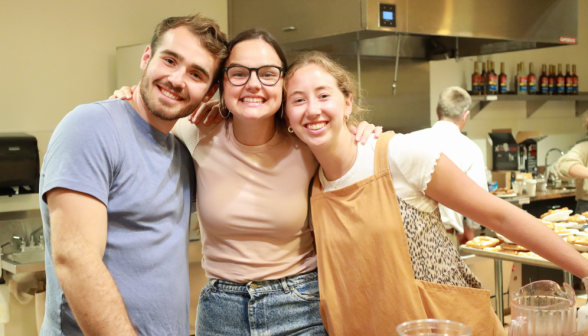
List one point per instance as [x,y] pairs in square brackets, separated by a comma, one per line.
[160,110]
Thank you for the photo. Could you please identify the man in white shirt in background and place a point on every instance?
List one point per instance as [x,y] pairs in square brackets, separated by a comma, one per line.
[453,109]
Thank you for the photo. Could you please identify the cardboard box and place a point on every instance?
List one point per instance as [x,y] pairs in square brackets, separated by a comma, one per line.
[503,178]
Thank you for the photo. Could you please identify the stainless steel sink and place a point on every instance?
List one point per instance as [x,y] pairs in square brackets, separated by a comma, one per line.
[27,257]
[23,262]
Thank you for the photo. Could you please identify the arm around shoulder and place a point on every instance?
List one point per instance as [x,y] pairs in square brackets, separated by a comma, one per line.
[78,240]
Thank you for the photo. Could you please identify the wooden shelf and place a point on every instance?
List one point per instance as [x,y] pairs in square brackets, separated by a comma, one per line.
[533,102]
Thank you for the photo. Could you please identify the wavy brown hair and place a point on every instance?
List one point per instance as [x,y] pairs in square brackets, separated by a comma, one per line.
[345,81]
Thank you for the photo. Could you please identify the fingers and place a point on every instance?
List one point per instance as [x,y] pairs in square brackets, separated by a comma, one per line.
[377,131]
[213,115]
[125,93]
[203,111]
[364,131]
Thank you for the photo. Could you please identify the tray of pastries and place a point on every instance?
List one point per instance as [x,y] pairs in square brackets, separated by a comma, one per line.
[504,192]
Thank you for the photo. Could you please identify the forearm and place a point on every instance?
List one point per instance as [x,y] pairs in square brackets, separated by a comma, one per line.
[526,230]
[93,296]
[578,171]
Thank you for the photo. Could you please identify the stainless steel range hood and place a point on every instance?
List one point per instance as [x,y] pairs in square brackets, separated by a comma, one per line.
[360,35]
[430,29]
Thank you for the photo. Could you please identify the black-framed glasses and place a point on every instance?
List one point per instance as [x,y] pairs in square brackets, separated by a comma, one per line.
[268,75]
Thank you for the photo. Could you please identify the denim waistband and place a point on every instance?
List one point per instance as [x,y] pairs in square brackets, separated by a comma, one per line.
[282,284]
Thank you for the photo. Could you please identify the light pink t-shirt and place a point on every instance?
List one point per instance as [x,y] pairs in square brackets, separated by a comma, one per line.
[252,203]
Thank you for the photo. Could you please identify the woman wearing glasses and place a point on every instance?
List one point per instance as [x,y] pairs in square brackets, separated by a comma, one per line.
[253,181]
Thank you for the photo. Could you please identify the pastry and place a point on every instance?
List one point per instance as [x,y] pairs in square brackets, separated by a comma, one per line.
[513,247]
[492,249]
[482,241]
[552,211]
[577,219]
[549,224]
[502,191]
[578,240]
[508,251]
[561,229]
[530,255]
[585,214]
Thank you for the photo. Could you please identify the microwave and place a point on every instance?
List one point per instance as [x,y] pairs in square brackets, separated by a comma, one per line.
[19,164]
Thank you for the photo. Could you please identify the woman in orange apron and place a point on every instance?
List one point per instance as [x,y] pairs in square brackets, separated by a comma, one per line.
[382,259]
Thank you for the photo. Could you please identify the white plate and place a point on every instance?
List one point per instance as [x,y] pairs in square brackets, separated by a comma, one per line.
[503,238]
[570,225]
[558,216]
[507,195]
[580,248]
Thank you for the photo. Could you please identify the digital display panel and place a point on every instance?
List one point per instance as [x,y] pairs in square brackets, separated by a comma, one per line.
[387,15]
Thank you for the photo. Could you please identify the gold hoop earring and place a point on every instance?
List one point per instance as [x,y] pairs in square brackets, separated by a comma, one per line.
[346,118]
[223,107]
[290,129]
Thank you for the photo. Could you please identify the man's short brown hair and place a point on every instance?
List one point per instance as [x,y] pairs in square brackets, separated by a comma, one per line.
[211,37]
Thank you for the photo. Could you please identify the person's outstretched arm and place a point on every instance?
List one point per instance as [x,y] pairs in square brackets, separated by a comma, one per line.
[452,188]
[78,241]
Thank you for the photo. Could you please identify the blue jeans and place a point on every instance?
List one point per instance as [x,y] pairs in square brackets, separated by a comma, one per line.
[289,306]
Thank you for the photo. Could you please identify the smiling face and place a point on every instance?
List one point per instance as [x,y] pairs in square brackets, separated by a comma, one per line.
[316,107]
[253,100]
[177,76]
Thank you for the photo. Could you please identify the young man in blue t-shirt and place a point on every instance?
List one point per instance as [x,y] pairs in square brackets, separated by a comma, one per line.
[116,194]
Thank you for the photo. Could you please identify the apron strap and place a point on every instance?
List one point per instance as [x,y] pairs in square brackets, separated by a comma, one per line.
[316,185]
[381,155]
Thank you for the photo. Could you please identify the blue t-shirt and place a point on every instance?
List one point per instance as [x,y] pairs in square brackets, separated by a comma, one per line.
[146,179]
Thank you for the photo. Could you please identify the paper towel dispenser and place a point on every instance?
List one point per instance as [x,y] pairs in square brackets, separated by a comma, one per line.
[19,164]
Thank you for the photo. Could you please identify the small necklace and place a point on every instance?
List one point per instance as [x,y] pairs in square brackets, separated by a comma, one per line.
[349,166]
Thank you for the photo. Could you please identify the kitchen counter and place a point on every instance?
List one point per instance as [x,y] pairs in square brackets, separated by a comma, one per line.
[543,195]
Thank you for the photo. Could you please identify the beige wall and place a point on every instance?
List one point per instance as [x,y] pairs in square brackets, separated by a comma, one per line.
[59,54]
[556,119]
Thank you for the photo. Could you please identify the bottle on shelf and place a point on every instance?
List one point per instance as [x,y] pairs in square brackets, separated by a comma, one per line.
[484,75]
[575,80]
[487,78]
[502,80]
[476,81]
[560,82]
[492,80]
[522,78]
[569,81]
[531,80]
[516,78]
[544,81]
[552,86]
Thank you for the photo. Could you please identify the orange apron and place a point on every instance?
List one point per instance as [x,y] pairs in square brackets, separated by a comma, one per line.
[366,279]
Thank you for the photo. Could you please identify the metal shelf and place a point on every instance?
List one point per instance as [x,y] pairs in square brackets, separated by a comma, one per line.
[533,102]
